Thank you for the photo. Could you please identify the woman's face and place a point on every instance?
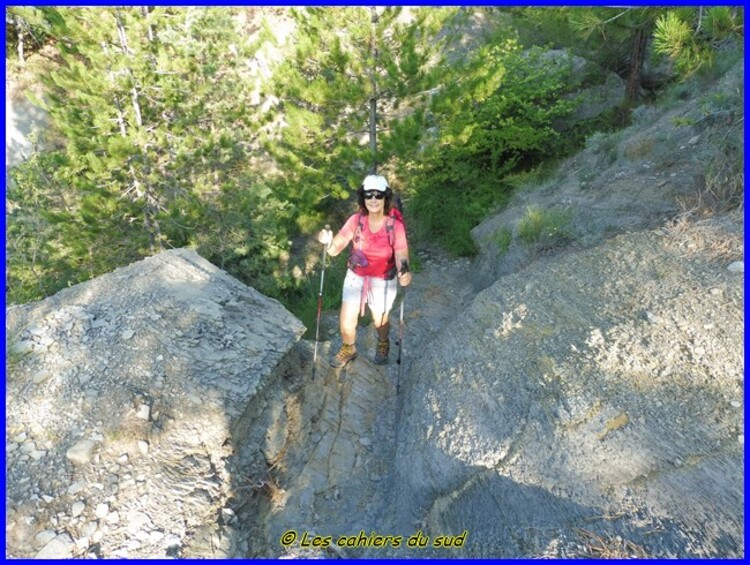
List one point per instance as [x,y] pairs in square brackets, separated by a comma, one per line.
[374,201]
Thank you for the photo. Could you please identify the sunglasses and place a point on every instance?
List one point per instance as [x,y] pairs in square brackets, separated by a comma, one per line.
[374,194]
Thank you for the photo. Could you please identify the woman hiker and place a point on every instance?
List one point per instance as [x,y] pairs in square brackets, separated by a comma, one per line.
[379,250]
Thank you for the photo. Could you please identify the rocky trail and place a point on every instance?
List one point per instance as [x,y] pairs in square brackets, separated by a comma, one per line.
[599,413]
[336,472]
[591,400]
[590,404]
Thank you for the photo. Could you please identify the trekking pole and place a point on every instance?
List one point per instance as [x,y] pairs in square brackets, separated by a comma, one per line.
[404,269]
[320,305]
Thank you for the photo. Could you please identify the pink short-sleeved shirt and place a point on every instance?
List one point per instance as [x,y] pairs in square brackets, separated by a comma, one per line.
[376,247]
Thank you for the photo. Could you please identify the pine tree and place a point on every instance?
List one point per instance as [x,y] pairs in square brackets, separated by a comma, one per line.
[628,31]
[687,35]
[690,36]
[152,107]
[28,28]
[353,94]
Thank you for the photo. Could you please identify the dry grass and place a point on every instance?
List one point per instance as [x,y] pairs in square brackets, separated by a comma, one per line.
[266,486]
[710,237]
[122,436]
[598,547]
[723,191]
[639,149]
[723,188]
[273,491]
[24,77]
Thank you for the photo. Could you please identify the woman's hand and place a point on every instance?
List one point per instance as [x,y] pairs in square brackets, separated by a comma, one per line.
[404,274]
[325,237]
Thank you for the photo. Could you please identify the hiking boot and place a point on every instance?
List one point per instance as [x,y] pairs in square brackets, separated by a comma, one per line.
[381,353]
[345,354]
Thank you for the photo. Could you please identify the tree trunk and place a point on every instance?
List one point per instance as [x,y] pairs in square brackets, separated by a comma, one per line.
[118,105]
[374,93]
[635,66]
[20,46]
[700,20]
[149,29]
[151,204]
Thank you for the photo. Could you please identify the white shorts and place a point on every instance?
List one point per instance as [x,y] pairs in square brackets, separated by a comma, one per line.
[378,294]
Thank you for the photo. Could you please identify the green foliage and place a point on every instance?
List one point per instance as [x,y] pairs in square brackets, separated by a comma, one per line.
[157,130]
[544,228]
[512,128]
[245,231]
[544,27]
[56,237]
[674,38]
[153,110]
[302,299]
[445,215]
[505,129]
[27,29]
[328,84]
[690,37]
[502,238]
[606,35]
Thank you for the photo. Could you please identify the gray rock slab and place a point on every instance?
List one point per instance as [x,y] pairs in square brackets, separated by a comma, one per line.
[81,452]
[540,401]
[60,547]
[164,403]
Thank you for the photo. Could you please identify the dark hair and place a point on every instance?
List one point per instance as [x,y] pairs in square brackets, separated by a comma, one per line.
[361,200]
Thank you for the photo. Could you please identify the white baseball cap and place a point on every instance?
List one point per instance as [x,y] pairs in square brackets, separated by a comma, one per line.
[375,182]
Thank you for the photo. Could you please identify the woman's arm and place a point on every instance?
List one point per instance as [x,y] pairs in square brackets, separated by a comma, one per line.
[401,254]
[337,244]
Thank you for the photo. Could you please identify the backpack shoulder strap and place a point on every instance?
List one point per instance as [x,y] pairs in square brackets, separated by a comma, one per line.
[360,229]
[390,222]
[360,225]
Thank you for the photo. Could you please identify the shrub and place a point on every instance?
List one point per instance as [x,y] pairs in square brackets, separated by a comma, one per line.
[502,239]
[605,145]
[644,115]
[544,228]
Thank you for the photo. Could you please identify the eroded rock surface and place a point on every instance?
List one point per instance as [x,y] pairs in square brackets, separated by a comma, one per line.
[123,399]
[597,392]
